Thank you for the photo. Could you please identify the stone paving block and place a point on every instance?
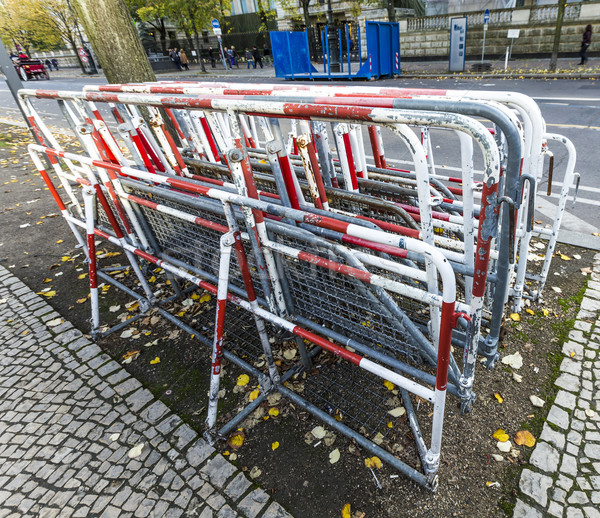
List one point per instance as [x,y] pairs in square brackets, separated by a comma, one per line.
[218,470]
[558,417]
[253,503]
[535,485]
[237,487]
[199,452]
[275,510]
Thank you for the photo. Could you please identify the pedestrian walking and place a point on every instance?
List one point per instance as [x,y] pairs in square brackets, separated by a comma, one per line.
[55,63]
[266,55]
[256,56]
[211,56]
[585,43]
[234,57]
[185,64]
[249,60]
[48,64]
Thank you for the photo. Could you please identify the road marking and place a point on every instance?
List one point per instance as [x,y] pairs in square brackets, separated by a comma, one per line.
[575,126]
[558,104]
[581,99]
[585,201]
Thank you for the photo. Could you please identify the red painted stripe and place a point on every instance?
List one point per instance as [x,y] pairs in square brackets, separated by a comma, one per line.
[52,189]
[182,184]
[243,265]
[444,349]
[482,255]
[109,213]
[371,245]
[335,267]
[286,172]
[350,159]
[169,113]
[92,260]
[211,140]
[315,110]
[327,345]
[135,137]
[391,227]
[174,149]
[151,153]
[317,172]
[205,179]
[219,332]
[375,145]
[324,221]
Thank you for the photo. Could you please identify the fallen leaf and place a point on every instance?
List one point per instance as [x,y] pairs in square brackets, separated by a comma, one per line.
[524,437]
[499,397]
[82,276]
[319,432]
[237,439]
[155,361]
[397,412]
[114,309]
[530,311]
[576,256]
[564,257]
[115,437]
[48,294]
[346,512]
[389,385]
[136,451]
[274,411]
[255,472]
[81,301]
[587,269]
[289,354]
[492,484]
[205,298]
[513,360]
[254,394]
[500,435]
[373,462]
[127,333]
[275,445]
[536,401]
[545,312]
[517,377]
[243,379]
[129,356]
[556,289]
[515,317]
[59,241]
[47,279]
[334,456]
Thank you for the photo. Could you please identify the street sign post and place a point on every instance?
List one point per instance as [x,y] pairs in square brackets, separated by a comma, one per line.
[486,20]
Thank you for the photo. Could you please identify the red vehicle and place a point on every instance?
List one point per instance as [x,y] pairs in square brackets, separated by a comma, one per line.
[30,68]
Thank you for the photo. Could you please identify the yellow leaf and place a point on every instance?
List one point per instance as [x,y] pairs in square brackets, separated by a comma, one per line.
[275,445]
[525,437]
[205,298]
[105,288]
[152,279]
[564,257]
[515,317]
[195,296]
[65,258]
[133,306]
[155,361]
[346,511]
[81,301]
[530,311]
[500,435]
[59,241]
[254,394]
[390,425]
[373,462]
[82,276]
[389,385]
[274,411]
[47,280]
[572,354]
[48,294]
[131,354]
[237,439]
[545,312]
[242,380]
[499,397]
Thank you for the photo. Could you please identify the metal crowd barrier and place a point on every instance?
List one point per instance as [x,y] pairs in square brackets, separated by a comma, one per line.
[360,260]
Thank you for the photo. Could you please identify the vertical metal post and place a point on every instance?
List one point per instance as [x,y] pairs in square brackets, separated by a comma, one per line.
[328,56]
[348,51]
[287,38]
[308,55]
[341,50]
[359,49]
[323,39]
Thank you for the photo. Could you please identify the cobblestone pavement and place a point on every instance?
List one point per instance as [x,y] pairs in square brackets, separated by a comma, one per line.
[563,478]
[69,418]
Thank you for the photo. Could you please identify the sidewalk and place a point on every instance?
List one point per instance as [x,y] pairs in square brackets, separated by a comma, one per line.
[533,68]
[563,476]
[71,420]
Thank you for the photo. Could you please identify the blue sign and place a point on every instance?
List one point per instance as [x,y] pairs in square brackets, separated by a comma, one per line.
[486,16]
[215,23]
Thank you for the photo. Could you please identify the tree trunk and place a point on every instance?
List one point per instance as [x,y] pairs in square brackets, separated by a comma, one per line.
[163,36]
[74,47]
[115,40]
[198,46]
[559,20]
[391,11]
[305,13]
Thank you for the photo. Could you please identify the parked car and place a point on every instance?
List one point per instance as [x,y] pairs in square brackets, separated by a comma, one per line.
[30,68]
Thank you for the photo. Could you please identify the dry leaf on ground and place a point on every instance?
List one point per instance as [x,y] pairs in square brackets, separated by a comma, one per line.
[524,437]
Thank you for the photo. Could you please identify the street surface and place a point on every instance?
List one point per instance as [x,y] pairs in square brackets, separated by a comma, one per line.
[570,108]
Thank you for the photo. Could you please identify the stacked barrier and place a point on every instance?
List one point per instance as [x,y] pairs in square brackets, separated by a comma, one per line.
[385,268]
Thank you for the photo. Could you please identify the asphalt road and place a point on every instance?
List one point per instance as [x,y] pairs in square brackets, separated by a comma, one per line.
[570,108]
